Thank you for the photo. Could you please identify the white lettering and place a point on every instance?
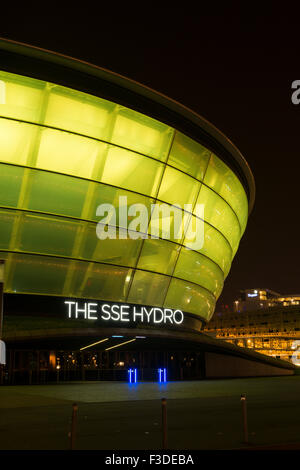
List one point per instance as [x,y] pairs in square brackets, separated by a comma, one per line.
[106,312]
[70,307]
[148,314]
[115,311]
[138,226]
[117,460]
[123,217]
[90,311]
[195,230]
[163,218]
[161,318]
[108,222]
[181,317]
[138,314]
[80,310]
[296,94]
[124,312]
[169,316]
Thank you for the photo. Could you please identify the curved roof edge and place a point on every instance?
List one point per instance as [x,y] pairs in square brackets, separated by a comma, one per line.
[46,65]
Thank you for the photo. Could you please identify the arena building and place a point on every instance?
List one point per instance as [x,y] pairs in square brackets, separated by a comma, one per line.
[120,214]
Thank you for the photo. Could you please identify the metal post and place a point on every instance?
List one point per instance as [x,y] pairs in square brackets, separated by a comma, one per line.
[164,422]
[244,414]
[73,426]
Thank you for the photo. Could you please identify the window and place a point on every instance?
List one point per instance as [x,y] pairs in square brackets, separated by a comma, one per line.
[220,178]
[158,255]
[190,298]
[195,267]
[148,288]
[189,156]
[132,171]
[177,188]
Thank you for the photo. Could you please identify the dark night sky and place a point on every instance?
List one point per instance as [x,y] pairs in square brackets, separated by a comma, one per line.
[232,66]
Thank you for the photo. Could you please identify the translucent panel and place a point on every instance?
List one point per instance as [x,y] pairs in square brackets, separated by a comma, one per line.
[224,182]
[214,247]
[16,139]
[118,251]
[141,133]
[121,200]
[148,288]
[21,97]
[46,234]
[57,194]
[69,153]
[159,256]
[189,156]
[190,298]
[130,177]
[37,274]
[11,178]
[132,171]
[168,222]
[177,188]
[196,268]
[79,112]
[100,281]
[7,219]
[219,214]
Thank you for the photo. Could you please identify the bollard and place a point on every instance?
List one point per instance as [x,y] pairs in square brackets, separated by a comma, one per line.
[57,373]
[164,422]
[73,426]
[244,413]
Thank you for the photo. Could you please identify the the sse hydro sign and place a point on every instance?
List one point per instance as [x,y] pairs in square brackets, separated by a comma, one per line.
[124,313]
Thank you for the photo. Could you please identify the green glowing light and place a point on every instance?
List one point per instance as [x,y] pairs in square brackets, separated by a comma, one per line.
[62,153]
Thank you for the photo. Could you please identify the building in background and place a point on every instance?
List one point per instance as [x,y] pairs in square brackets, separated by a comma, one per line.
[255,299]
[261,320]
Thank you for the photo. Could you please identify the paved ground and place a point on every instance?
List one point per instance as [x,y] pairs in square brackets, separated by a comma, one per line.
[114,415]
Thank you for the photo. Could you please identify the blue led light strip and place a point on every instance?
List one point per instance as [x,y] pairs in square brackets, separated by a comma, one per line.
[162,375]
[132,373]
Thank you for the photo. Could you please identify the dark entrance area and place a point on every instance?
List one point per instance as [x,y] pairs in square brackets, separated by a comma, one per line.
[40,366]
[107,355]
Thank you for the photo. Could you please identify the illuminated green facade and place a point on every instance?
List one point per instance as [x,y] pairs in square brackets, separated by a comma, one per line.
[63,152]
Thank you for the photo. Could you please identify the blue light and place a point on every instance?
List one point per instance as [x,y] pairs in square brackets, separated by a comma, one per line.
[117,336]
[132,376]
[162,375]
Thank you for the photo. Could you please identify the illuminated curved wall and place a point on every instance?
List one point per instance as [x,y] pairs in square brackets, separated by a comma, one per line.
[63,153]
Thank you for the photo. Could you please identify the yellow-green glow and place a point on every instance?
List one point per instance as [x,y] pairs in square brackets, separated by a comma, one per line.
[94,344]
[120,344]
[64,152]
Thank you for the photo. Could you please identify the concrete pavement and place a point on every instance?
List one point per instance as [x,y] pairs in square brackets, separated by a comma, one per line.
[114,415]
